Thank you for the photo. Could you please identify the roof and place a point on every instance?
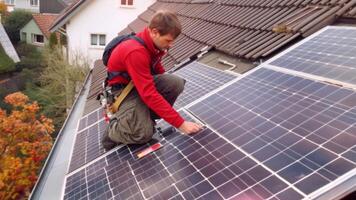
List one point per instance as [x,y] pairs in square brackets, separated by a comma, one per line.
[53,6]
[249,29]
[67,13]
[44,21]
[67,2]
[244,152]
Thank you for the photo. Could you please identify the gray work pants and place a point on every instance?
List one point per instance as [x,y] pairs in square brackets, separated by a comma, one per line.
[134,122]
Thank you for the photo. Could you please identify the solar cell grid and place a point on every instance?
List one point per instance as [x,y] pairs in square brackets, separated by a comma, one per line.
[291,128]
[87,146]
[200,80]
[194,167]
[330,54]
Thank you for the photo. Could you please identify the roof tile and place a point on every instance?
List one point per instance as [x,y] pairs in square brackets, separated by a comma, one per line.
[44,22]
[243,28]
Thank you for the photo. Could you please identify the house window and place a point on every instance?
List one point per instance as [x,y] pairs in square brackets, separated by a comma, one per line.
[127,2]
[10,2]
[37,39]
[97,39]
[23,36]
[34,2]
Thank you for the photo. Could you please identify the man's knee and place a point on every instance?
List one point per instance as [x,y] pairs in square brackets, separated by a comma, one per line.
[178,83]
[169,83]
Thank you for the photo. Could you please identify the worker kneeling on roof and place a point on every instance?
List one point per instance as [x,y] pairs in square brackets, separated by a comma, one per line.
[139,59]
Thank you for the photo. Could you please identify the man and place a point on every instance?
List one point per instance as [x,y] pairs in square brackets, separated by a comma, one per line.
[155,92]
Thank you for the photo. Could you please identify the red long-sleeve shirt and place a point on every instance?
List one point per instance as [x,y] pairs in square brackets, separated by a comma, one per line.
[132,57]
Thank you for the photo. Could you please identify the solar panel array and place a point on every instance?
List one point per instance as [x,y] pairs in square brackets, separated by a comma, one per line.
[330,54]
[268,135]
[301,130]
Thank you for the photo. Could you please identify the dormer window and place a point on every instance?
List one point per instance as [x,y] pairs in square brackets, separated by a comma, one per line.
[126,2]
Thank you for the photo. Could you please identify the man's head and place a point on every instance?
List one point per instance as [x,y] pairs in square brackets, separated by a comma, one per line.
[164,28]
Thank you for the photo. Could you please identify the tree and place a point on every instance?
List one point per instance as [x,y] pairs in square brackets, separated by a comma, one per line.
[59,83]
[25,142]
[14,22]
[3,10]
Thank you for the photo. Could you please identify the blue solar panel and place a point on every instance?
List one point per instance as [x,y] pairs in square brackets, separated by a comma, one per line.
[203,166]
[200,80]
[300,129]
[269,135]
[331,53]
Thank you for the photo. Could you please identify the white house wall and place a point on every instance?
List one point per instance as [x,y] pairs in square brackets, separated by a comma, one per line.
[99,17]
[25,4]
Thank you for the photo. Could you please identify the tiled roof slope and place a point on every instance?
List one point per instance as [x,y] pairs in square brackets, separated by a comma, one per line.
[250,29]
[74,4]
[44,21]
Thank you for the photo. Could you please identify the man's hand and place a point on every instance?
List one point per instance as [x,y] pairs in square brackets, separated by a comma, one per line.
[190,127]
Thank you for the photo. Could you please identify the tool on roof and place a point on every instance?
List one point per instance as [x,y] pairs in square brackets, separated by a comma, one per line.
[155,147]
[149,150]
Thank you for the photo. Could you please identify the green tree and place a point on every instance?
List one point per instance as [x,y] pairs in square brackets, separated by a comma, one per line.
[14,22]
[59,81]
[30,56]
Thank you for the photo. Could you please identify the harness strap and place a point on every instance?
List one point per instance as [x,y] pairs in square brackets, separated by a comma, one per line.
[115,106]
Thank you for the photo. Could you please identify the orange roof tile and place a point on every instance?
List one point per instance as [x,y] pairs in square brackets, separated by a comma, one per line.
[44,22]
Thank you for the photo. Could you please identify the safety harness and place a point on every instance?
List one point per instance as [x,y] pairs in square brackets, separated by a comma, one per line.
[109,100]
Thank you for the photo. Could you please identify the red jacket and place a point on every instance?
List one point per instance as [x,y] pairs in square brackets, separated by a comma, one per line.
[130,56]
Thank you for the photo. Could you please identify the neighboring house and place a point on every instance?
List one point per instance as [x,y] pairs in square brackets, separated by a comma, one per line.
[252,122]
[30,5]
[90,25]
[7,45]
[54,6]
[36,31]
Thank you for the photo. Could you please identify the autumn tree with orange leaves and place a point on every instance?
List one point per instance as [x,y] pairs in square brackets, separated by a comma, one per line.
[25,142]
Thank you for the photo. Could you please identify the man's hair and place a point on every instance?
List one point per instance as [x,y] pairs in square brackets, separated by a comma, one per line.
[166,22]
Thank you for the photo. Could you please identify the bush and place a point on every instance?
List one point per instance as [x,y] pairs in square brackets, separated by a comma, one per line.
[14,22]
[6,63]
[53,40]
[30,56]
[24,49]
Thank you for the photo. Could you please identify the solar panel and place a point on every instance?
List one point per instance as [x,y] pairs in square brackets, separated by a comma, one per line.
[301,130]
[87,144]
[330,53]
[203,166]
[200,80]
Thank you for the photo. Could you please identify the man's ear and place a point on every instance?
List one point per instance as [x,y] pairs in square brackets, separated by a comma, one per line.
[154,32]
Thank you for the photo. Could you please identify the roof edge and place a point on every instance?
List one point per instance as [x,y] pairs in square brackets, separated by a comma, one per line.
[67,15]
